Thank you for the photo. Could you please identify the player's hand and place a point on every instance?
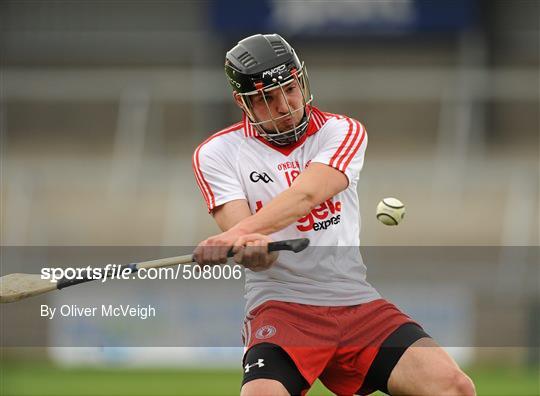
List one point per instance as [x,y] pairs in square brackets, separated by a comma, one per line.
[251,251]
[214,250]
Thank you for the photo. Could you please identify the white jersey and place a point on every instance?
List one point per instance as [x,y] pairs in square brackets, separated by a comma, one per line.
[236,163]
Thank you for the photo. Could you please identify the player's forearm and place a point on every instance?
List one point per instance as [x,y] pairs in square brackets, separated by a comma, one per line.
[282,211]
[313,186]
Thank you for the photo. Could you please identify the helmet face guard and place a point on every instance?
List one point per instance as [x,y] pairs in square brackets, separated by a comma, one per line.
[261,64]
[275,135]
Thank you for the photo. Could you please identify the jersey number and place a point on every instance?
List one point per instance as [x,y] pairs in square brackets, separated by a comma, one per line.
[290,176]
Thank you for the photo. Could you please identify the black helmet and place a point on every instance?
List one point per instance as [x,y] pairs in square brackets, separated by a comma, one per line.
[262,63]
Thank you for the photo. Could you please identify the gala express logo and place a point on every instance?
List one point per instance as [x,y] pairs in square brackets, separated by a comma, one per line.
[321,217]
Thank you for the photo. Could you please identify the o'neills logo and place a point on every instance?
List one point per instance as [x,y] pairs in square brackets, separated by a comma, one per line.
[321,217]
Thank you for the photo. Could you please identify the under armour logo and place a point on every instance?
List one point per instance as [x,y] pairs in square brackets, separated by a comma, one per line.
[255,177]
[258,364]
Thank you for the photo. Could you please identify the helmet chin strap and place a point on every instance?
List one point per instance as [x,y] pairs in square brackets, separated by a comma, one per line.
[288,137]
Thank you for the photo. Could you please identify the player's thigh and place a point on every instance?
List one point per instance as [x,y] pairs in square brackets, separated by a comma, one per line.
[427,369]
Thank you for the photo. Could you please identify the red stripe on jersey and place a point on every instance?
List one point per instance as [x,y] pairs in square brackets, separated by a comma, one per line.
[323,119]
[314,118]
[356,129]
[249,130]
[201,187]
[201,181]
[319,117]
[338,116]
[363,131]
[343,144]
[204,187]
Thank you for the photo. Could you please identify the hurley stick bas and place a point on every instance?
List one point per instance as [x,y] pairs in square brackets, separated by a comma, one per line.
[15,287]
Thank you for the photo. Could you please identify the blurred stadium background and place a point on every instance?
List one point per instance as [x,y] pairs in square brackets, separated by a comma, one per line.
[104,102]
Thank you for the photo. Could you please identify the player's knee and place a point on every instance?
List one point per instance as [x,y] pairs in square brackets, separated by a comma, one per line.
[263,387]
[456,382]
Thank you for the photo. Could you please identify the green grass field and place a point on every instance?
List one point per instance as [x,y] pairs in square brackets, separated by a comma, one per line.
[23,378]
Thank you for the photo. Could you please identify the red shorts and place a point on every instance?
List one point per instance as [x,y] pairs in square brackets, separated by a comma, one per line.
[335,344]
